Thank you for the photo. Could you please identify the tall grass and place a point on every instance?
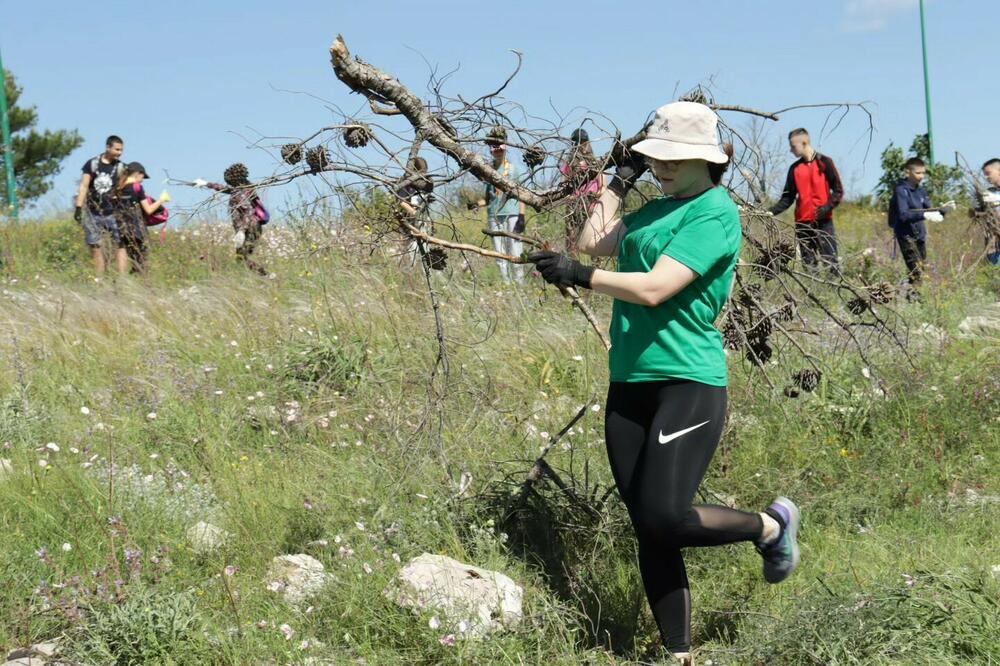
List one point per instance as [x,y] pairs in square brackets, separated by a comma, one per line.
[296,409]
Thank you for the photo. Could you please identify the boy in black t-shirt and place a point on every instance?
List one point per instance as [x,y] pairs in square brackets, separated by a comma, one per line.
[101,175]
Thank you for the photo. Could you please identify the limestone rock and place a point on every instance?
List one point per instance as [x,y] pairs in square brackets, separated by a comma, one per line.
[930,333]
[982,325]
[476,601]
[297,577]
[206,537]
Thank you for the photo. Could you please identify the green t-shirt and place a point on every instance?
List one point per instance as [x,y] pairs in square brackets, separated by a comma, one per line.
[677,339]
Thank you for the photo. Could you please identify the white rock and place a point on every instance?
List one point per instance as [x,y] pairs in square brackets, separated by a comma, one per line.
[931,333]
[301,576]
[980,326]
[975,498]
[25,661]
[206,537]
[47,649]
[487,600]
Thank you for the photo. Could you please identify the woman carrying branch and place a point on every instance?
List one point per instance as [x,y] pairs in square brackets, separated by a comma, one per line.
[666,403]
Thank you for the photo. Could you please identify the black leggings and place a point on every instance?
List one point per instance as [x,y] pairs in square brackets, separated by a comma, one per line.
[661,437]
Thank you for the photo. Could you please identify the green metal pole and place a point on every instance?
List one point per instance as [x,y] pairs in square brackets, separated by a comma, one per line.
[8,147]
[927,83]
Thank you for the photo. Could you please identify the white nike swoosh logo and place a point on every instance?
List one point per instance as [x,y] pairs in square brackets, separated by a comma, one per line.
[674,435]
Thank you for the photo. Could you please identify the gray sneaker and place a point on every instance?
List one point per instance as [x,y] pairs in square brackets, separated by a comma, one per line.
[782,557]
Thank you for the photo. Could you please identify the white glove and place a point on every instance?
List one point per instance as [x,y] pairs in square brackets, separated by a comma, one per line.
[948,207]
[198,182]
[238,238]
[933,216]
[992,198]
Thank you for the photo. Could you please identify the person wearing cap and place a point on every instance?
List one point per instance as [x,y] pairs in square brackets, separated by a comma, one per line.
[579,167]
[666,404]
[131,207]
[813,185]
[503,211]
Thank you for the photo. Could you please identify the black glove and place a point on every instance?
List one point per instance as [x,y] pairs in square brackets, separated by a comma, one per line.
[629,168]
[78,214]
[520,224]
[823,212]
[558,269]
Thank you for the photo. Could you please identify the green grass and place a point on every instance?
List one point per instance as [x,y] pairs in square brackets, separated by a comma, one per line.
[297,408]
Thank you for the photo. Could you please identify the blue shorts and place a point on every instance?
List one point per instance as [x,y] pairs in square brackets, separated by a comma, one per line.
[95,225]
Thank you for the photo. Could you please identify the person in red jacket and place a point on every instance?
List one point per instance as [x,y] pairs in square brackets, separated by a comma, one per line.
[814,186]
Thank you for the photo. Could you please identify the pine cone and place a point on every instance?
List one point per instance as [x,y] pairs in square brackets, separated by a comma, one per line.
[317,158]
[759,352]
[534,156]
[731,337]
[358,136]
[883,292]
[236,175]
[857,306]
[761,329]
[807,380]
[292,153]
[773,260]
[436,259]
[785,313]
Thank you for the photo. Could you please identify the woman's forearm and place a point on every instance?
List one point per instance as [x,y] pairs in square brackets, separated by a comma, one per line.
[634,288]
[150,208]
[667,278]
[601,233]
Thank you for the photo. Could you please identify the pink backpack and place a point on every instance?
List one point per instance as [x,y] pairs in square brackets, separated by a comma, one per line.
[159,216]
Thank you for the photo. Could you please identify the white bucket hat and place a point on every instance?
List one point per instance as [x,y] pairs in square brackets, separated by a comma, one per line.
[683,131]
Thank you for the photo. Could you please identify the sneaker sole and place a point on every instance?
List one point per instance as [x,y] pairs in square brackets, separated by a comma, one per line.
[792,530]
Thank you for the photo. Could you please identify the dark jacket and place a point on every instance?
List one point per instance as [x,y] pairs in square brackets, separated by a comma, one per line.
[906,210]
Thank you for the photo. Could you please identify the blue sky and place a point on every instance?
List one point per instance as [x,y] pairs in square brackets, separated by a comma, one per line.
[190,85]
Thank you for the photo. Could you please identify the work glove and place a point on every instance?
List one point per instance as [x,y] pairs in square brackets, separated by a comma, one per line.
[823,212]
[238,238]
[520,224]
[630,167]
[948,207]
[198,182]
[933,216]
[78,214]
[992,198]
[558,269]
[164,196]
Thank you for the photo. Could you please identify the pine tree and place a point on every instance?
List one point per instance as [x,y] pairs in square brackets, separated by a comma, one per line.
[37,155]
